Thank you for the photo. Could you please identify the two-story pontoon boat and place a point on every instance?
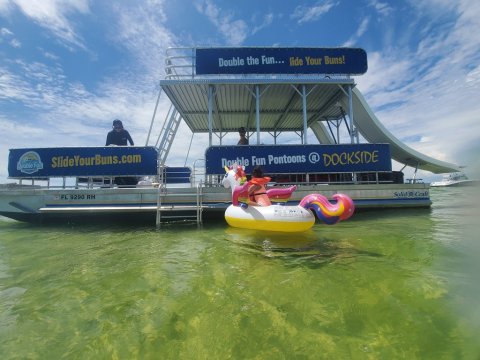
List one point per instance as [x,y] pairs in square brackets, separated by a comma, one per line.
[274,93]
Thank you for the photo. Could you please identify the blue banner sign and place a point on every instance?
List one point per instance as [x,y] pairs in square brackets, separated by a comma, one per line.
[351,61]
[82,161]
[300,159]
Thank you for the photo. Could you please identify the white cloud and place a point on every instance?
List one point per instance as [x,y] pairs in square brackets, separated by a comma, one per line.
[53,15]
[382,8]
[15,43]
[22,131]
[5,6]
[5,32]
[234,31]
[267,20]
[13,87]
[360,31]
[140,30]
[48,55]
[473,78]
[435,6]
[305,14]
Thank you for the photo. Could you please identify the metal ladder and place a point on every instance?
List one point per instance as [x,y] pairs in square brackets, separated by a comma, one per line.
[168,132]
[167,136]
[189,212]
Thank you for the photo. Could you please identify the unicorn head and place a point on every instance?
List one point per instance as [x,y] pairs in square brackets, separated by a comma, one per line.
[234,176]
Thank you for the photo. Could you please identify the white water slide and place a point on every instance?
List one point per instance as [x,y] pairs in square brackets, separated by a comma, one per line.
[374,132]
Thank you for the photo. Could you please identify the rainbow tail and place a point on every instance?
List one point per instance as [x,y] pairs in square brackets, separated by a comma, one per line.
[327,212]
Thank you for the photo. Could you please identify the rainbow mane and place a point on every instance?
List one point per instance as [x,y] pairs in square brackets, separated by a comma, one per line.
[327,212]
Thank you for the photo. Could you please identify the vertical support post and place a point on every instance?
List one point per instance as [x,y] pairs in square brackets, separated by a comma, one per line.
[194,60]
[338,130]
[350,115]
[304,105]
[353,130]
[414,180]
[189,147]
[153,117]
[257,112]
[210,118]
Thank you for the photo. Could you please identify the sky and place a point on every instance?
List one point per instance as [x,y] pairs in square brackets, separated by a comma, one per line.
[69,67]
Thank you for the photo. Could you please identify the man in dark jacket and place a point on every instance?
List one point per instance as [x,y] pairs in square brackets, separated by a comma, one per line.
[118,136]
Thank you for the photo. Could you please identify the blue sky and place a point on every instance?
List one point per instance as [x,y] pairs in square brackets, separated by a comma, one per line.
[68,68]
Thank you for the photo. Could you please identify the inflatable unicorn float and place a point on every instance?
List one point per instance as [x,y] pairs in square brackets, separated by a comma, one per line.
[278,217]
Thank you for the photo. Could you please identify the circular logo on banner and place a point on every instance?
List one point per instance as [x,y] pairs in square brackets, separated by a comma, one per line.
[314,157]
[29,163]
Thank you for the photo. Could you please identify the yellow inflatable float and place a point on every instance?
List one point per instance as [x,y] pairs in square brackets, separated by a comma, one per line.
[280,217]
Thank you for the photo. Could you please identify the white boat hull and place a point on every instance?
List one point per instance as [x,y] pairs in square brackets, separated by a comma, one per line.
[32,204]
[455,183]
[455,179]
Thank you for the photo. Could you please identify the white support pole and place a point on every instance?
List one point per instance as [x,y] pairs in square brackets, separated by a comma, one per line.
[350,115]
[210,115]
[353,131]
[339,122]
[153,117]
[304,104]
[257,114]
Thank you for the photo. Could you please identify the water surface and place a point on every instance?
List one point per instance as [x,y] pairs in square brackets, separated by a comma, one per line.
[398,284]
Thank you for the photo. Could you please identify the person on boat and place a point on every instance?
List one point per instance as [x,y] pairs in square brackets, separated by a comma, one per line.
[243,140]
[118,136]
[257,193]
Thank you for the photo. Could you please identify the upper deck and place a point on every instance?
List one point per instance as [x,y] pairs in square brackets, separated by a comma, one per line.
[275,90]
[265,101]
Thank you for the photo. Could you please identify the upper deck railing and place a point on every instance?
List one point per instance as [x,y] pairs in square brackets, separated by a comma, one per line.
[180,63]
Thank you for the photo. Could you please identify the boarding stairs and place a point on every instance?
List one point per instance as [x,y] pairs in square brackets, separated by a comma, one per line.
[167,136]
[169,211]
[173,212]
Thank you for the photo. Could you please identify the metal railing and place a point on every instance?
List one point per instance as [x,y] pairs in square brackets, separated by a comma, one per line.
[197,176]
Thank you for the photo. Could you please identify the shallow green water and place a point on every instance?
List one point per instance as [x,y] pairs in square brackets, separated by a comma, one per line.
[385,285]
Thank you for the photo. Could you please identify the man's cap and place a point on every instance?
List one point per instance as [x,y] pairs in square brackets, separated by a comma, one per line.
[241,130]
[117,122]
